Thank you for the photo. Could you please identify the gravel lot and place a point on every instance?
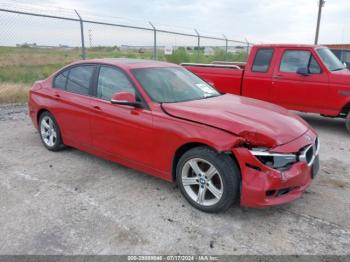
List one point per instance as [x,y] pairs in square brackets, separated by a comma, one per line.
[74,203]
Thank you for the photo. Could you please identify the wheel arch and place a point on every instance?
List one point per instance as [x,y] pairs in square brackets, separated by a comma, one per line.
[345,109]
[42,110]
[185,147]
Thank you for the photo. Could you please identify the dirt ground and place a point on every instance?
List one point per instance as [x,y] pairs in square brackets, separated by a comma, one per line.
[71,202]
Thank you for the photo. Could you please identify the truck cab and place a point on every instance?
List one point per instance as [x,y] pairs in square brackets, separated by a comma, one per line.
[299,77]
[307,78]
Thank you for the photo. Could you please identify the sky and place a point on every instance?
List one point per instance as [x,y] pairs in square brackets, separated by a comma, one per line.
[258,21]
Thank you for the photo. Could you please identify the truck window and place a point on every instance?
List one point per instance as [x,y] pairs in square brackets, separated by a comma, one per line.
[262,60]
[292,60]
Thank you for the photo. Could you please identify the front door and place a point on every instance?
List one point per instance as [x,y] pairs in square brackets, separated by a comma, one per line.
[124,131]
[299,82]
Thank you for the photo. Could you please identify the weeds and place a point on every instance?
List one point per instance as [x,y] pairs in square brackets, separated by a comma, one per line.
[20,67]
[13,93]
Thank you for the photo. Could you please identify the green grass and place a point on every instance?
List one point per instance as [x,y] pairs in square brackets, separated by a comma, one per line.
[20,66]
[181,56]
[26,73]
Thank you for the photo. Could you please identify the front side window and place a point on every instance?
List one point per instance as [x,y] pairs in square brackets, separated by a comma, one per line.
[79,79]
[293,60]
[262,60]
[314,67]
[330,60]
[173,84]
[60,80]
[110,81]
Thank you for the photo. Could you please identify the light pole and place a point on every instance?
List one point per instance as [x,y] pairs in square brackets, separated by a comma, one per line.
[320,5]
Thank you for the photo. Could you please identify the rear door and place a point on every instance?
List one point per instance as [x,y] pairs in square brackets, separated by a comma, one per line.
[123,131]
[258,76]
[294,90]
[72,92]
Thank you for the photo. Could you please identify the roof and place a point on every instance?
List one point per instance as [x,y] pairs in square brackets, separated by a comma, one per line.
[289,45]
[128,63]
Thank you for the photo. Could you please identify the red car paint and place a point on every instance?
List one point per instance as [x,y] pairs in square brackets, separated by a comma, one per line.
[326,93]
[150,139]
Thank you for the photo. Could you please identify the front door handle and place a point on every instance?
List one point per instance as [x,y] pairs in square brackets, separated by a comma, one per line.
[97,108]
[277,77]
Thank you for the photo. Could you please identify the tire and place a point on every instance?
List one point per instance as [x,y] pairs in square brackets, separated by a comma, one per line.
[212,188]
[347,122]
[50,133]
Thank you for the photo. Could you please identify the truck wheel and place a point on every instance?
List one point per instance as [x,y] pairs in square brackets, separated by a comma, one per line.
[208,180]
[347,122]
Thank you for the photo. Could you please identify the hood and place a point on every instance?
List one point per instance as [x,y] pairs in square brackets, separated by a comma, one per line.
[259,123]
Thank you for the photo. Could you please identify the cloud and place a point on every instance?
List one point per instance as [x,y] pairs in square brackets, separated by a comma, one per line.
[257,20]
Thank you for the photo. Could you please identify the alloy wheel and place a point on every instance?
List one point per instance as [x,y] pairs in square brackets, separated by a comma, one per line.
[202,182]
[48,131]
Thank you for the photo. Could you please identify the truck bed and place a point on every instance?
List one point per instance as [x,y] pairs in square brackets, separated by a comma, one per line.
[240,64]
[225,78]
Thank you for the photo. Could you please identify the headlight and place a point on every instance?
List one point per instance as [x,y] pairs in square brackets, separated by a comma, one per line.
[274,160]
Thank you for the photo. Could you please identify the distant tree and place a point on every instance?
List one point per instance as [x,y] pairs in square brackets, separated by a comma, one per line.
[178,56]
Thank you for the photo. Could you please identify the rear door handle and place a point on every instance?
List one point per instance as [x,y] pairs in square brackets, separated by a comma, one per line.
[57,96]
[97,108]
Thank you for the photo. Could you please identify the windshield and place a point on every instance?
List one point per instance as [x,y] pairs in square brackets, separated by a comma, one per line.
[330,60]
[173,84]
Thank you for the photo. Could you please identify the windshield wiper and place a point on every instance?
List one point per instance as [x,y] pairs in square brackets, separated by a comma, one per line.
[211,96]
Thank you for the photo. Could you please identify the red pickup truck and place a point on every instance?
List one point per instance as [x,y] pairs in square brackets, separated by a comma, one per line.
[307,78]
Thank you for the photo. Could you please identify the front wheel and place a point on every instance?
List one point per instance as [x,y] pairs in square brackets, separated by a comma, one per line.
[347,122]
[207,179]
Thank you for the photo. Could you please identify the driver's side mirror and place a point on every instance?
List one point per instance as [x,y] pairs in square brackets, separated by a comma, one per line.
[303,71]
[125,98]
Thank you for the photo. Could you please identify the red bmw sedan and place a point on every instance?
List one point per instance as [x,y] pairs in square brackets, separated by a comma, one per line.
[163,120]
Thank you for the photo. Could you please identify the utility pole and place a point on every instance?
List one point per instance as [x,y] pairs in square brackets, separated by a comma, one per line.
[320,5]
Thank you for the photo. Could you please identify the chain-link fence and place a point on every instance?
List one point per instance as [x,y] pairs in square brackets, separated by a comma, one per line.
[36,41]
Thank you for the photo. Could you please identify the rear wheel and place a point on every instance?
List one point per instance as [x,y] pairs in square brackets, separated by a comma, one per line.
[49,132]
[347,121]
[207,179]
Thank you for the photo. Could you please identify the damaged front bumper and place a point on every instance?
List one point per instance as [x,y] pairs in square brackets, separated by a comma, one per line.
[263,186]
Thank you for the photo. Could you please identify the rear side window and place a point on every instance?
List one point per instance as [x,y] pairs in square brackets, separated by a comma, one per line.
[262,60]
[79,79]
[60,80]
[293,60]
